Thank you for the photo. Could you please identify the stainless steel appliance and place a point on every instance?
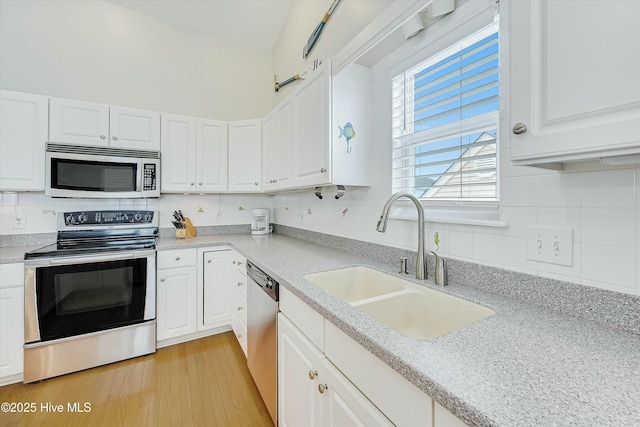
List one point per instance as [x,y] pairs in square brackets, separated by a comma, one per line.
[97,172]
[262,312]
[90,298]
[260,223]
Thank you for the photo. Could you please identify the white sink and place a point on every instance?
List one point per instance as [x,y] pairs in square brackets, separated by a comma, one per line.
[410,309]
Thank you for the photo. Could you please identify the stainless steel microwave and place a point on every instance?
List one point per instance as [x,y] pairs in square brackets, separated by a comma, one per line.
[97,172]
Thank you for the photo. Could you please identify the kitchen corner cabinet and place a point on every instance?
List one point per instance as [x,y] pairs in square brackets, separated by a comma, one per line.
[24,120]
[312,392]
[245,139]
[574,80]
[213,279]
[277,147]
[326,378]
[11,322]
[176,293]
[87,123]
[193,155]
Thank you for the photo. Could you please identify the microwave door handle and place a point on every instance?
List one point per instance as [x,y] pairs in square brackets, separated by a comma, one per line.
[139,176]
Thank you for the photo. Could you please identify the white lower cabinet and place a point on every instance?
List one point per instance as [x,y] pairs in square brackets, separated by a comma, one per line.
[213,279]
[11,322]
[176,293]
[312,392]
[238,295]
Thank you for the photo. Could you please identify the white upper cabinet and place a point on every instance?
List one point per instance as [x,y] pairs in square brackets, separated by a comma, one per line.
[23,135]
[193,155]
[245,139]
[87,123]
[211,156]
[277,147]
[574,80]
[134,129]
[311,129]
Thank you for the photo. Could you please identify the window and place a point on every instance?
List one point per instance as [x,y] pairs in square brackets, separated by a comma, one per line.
[445,122]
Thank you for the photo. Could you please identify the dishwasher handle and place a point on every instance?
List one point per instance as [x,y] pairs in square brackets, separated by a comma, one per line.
[266,283]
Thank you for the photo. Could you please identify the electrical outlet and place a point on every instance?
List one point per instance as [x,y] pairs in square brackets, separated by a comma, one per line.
[553,245]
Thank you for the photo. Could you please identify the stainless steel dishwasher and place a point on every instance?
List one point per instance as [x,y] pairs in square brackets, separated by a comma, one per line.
[262,312]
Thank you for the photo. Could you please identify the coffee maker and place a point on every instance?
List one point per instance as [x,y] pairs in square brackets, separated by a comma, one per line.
[260,221]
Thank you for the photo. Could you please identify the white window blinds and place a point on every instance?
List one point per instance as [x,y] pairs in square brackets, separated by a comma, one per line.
[445,121]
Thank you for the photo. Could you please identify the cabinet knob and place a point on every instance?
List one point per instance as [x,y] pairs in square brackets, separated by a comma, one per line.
[162,279]
[323,170]
[239,262]
[191,183]
[208,261]
[177,258]
[233,262]
[115,138]
[256,183]
[102,137]
[519,128]
[239,308]
[239,336]
[239,283]
[322,388]
[313,374]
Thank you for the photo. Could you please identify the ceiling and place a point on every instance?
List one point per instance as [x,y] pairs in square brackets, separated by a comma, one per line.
[247,22]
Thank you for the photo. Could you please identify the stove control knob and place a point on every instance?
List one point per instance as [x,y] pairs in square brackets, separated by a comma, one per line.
[137,216]
[68,219]
[82,218]
[147,217]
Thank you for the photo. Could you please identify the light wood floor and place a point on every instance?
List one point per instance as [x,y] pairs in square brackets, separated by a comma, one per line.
[199,383]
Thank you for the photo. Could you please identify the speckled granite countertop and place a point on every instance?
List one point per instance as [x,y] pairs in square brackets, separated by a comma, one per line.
[523,366]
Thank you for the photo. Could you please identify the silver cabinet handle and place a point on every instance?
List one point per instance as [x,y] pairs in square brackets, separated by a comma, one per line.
[233,262]
[102,137]
[208,261]
[191,183]
[322,388]
[239,262]
[239,336]
[115,138]
[162,279]
[323,170]
[519,128]
[239,308]
[313,374]
[239,283]
[256,183]
[177,258]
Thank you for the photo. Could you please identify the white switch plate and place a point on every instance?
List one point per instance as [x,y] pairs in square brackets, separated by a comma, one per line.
[552,245]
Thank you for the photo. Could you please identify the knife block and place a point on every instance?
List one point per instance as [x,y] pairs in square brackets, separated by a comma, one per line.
[188,231]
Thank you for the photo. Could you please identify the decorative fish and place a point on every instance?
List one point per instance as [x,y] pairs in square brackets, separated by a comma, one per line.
[348,132]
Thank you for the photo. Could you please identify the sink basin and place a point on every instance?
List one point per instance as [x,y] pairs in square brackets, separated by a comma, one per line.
[410,309]
[425,314]
[355,283]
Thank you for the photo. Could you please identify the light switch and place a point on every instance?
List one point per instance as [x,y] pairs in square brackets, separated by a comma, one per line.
[553,245]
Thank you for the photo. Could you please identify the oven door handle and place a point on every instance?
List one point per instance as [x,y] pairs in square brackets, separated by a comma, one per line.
[99,258]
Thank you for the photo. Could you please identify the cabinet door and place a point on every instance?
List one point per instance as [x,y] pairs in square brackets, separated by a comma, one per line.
[134,129]
[11,319]
[311,139]
[298,365]
[245,156]
[215,290]
[176,302]
[78,122]
[178,154]
[24,122]
[573,79]
[444,418]
[343,404]
[269,160]
[283,144]
[211,158]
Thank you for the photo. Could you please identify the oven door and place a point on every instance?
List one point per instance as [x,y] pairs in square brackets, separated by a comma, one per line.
[70,296]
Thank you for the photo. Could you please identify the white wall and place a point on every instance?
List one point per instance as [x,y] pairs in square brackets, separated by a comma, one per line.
[96,51]
[603,208]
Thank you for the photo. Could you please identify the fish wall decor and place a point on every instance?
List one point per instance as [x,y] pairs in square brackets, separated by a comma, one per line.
[348,132]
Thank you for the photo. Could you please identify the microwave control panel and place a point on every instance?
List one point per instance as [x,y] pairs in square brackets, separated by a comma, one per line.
[149,176]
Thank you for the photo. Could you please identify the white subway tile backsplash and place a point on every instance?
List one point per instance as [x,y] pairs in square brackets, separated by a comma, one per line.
[559,190]
[610,265]
[487,249]
[609,189]
[609,226]
[519,191]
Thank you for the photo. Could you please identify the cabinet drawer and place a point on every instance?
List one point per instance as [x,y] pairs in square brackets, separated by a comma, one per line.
[239,308]
[240,332]
[240,283]
[11,275]
[309,321]
[239,262]
[176,258]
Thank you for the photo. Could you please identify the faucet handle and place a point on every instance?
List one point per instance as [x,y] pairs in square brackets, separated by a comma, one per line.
[441,274]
